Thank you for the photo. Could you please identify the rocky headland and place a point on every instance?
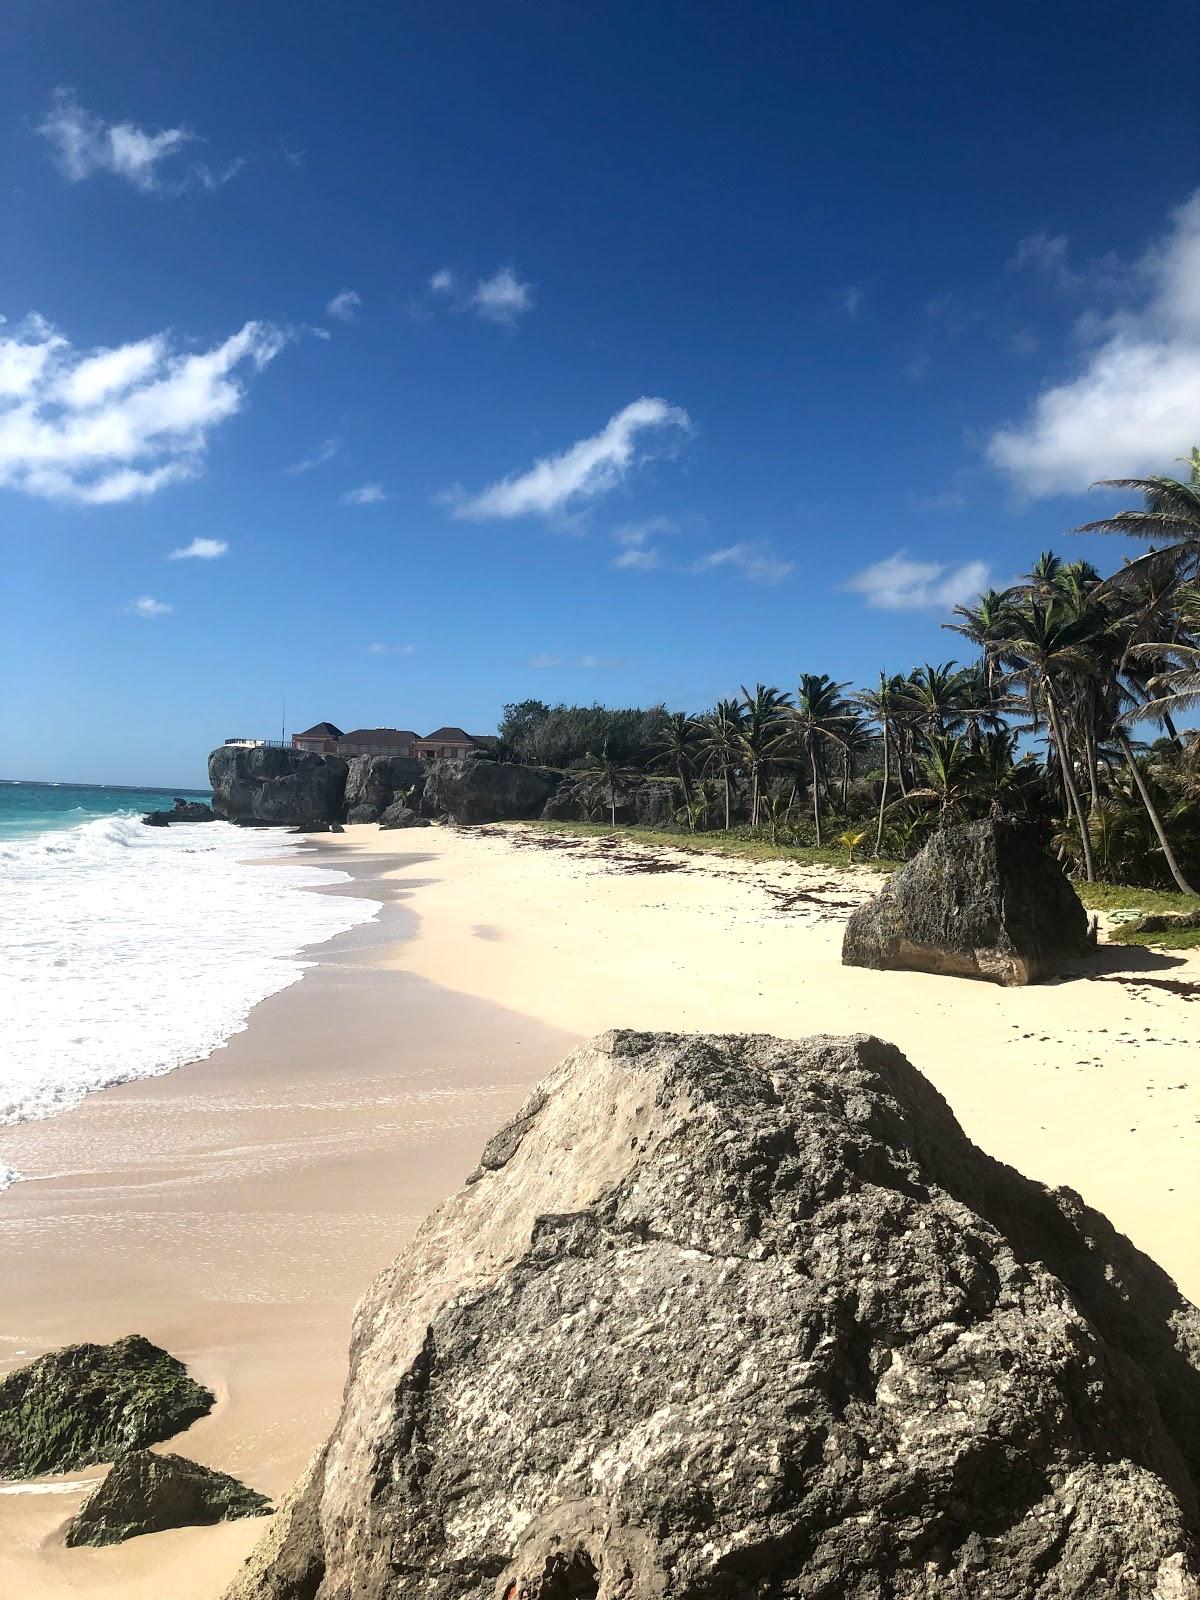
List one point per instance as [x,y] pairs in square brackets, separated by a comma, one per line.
[740,1316]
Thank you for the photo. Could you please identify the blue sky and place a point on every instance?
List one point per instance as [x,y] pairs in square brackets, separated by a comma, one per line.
[621,353]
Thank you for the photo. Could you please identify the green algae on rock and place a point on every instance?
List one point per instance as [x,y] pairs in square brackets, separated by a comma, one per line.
[90,1402]
[145,1493]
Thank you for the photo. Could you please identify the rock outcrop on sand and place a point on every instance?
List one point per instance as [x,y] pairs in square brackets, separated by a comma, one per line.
[399,815]
[145,1493]
[981,900]
[644,802]
[286,787]
[90,1402]
[473,791]
[373,783]
[751,1317]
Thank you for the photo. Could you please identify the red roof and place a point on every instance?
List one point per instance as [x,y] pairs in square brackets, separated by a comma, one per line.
[448,736]
[380,736]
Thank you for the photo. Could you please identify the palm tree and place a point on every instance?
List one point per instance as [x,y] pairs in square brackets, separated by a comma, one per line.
[949,775]
[1048,652]
[1169,516]
[609,771]
[936,695]
[677,740]
[721,743]
[761,736]
[882,706]
[820,716]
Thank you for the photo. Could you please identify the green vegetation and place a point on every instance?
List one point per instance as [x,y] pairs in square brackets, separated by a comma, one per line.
[1040,726]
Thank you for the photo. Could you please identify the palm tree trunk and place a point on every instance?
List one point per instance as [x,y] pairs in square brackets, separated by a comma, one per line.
[1085,838]
[884,792]
[1172,734]
[726,799]
[1089,749]
[1152,812]
[816,797]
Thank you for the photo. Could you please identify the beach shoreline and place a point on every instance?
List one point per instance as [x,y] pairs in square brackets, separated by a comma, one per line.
[235,1210]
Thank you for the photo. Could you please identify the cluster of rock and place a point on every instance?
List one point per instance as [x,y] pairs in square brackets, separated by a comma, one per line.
[300,789]
[980,900]
[181,811]
[267,786]
[740,1316]
[91,1403]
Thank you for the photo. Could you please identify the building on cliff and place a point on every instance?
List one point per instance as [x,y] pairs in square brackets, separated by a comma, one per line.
[321,739]
[377,742]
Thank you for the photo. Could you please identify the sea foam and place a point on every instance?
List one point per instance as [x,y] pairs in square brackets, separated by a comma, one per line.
[126,951]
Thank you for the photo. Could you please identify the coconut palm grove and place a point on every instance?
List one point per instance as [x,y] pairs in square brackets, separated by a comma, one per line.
[1065,704]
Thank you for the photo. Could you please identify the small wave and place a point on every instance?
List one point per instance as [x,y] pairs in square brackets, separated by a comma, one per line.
[126,951]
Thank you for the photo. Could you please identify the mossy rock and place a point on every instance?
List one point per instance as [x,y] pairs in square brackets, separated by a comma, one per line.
[145,1493]
[89,1402]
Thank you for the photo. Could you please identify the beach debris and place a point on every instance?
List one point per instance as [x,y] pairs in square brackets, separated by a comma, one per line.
[146,1492]
[980,900]
[745,1316]
[89,1402]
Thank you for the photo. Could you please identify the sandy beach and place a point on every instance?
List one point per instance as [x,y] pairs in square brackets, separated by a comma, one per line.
[235,1210]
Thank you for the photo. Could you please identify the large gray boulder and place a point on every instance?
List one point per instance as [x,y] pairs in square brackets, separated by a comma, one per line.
[286,787]
[645,802]
[373,783]
[981,900]
[145,1493]
[473,791]
[90,1402]
[746,1317]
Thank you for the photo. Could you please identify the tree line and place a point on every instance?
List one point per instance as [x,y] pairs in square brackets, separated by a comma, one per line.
[1041,724]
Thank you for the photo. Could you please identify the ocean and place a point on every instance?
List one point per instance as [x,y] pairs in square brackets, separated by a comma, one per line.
[126,951]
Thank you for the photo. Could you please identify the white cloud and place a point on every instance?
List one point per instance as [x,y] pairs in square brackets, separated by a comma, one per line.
[1046,253]
[544,662]
[200,550]
[1134,403]
[851,300]
[367,494]
[502,298]
[380,649]
[102,426]
[588,468]
[636,559]
[754,558]
[345,306]
[898,583]
[325,451]
[84,144]
[443,281]
[148,607]
[637,553]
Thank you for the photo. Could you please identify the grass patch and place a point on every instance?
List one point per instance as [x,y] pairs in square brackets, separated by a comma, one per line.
[1133,904]
[716,844]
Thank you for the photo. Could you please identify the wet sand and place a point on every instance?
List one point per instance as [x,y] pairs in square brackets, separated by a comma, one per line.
[235,1210]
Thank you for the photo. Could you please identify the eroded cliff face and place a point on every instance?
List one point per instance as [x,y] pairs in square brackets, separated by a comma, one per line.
[725,1316]
[270,786]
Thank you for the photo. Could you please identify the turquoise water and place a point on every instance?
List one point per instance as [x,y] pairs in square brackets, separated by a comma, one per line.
[27,809]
